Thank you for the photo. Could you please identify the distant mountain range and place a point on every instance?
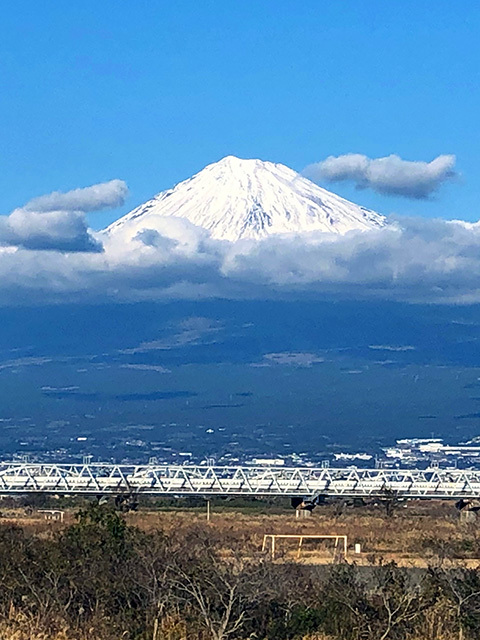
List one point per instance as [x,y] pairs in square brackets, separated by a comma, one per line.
[239,378]
[236,199]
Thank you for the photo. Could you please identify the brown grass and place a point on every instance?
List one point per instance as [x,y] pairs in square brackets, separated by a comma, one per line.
[414,536]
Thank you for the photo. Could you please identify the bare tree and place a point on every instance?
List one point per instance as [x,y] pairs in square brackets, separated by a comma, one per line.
[461,586]
[217,597]
[222,589]
[399,602]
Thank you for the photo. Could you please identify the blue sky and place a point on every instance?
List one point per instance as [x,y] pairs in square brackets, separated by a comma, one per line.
[150,92]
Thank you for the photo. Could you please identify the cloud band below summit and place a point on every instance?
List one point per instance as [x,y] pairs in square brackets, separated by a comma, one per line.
[412,260]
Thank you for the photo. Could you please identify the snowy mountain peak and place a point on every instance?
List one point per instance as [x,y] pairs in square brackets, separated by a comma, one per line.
[235,199]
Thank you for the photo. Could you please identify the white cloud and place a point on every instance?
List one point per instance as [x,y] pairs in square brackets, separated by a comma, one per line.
[413,260]
[389,175]
[54,231]
[105,195]
[56,221]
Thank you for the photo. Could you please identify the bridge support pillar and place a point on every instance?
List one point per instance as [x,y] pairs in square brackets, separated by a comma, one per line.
[467,516]
[303,513]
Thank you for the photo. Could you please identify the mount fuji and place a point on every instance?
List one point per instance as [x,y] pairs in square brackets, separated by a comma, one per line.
[238,199]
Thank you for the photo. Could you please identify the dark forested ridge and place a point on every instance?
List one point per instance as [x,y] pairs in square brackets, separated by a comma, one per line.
[277,377]
[102,578]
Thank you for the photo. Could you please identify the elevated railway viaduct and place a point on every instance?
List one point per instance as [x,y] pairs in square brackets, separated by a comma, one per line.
[308,483]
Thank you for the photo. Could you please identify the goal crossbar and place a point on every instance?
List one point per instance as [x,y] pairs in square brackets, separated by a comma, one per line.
[273,537]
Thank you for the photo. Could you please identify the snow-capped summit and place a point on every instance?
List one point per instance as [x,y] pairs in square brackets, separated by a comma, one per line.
[235,199]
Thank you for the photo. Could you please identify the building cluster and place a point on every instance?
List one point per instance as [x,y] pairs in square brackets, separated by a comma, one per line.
[418,451]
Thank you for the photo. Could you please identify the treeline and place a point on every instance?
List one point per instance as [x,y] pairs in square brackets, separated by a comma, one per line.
[102,579]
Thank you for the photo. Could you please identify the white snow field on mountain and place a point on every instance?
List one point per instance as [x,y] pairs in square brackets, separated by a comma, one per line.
[236,199]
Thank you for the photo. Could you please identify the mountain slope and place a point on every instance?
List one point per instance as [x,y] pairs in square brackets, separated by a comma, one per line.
[235,199]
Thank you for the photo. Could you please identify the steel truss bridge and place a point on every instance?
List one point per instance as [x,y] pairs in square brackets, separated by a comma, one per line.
[161,480]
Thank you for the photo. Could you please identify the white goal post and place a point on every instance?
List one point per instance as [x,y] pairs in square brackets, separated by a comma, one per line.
[273,537]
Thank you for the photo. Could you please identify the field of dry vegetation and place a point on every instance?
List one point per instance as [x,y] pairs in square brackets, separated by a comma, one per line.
[168,574]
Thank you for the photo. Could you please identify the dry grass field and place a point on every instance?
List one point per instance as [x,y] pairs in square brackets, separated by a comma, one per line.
[418,534]
[421,534]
